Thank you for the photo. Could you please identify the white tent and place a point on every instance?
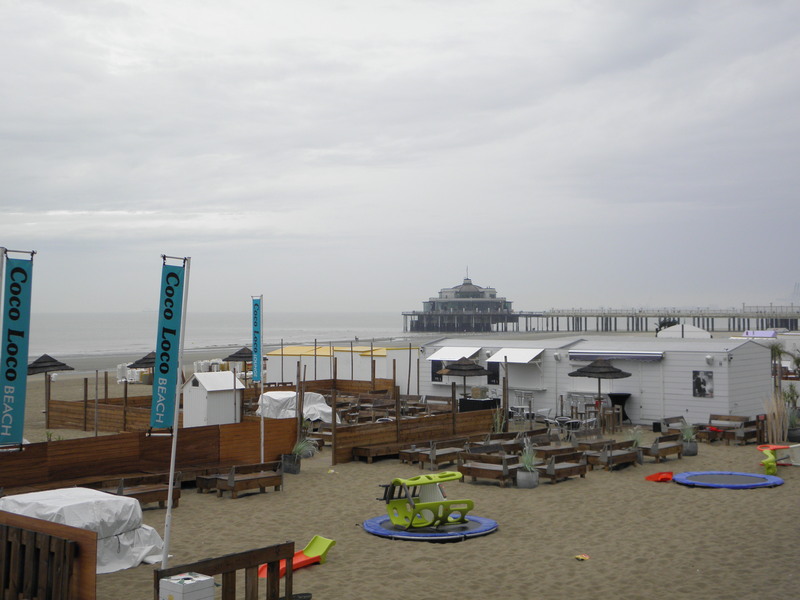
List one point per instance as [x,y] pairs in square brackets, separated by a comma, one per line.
[122,540]
[283,405]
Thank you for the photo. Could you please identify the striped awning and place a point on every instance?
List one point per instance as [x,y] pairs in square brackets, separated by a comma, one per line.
[590,355]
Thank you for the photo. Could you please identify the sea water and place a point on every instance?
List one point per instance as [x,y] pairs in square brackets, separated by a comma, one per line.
[101,341]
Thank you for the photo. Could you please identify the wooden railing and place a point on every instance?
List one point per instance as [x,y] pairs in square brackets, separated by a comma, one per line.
[54,464]
[46,561]
[248,561]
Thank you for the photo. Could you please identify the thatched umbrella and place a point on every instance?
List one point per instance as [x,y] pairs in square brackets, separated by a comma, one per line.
[600,369]
[148,361]
[464,367]
[47,364]
[243,354]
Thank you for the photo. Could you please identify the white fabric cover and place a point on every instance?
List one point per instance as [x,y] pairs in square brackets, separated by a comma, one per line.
[122,540]
[283,405]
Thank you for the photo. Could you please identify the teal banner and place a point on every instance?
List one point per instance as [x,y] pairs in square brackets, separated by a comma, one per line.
[168,342]
[14,352]
[257,340]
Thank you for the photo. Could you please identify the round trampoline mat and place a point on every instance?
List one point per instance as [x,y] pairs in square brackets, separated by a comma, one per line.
[726,479]
[474,527]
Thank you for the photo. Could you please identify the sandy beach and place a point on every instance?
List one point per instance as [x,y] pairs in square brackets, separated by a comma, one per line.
[645,540]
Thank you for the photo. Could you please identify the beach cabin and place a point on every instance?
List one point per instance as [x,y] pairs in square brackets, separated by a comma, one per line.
[212,399]
[693,377]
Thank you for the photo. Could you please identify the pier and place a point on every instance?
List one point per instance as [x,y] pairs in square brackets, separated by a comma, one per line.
[615,319]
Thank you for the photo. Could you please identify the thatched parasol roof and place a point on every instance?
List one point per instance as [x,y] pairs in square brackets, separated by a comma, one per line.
[464,367]
[46,363]
[600,369]
[148,361]
[243,354]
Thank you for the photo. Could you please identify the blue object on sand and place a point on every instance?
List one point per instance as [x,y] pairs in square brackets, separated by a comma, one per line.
[726,479]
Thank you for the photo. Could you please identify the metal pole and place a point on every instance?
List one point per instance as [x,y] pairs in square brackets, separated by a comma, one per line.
[96,383]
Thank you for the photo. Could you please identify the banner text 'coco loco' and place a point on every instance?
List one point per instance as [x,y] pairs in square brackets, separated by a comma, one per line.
[14,349]
[168,342]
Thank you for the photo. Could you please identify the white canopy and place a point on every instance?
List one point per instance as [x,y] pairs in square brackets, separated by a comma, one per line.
[283,405]
[521,356]
[453,353]
[122,540]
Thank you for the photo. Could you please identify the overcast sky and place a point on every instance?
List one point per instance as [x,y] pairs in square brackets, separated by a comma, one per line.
[361,155]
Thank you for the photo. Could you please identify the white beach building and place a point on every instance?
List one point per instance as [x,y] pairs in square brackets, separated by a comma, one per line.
[693,377]
[212,399]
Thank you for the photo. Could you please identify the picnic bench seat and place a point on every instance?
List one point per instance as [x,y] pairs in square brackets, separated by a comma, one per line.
[410,452]
[748,432]
[243,477]
[673,424]
[614,454]
[728,427]
[488,462]
[145,488]
[663,446]
[441,451]
[378,450]
[563,466]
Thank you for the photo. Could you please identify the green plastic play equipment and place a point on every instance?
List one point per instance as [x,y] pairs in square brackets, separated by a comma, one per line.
[420,502]
[770,463]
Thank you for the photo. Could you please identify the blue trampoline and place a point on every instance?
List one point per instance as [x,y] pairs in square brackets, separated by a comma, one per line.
[726,479]
[474,527]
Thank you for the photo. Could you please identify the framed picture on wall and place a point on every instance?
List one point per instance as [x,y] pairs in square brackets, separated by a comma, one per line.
[703,384]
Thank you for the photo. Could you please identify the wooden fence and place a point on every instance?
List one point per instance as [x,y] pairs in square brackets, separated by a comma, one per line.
[42,560]
[51,464]
[248,561]
[133,413]
[409,430]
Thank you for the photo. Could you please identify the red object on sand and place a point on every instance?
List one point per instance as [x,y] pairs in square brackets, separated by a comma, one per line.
[663,476]
[299,561]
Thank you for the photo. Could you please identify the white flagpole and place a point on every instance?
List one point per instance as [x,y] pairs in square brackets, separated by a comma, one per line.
[168,519]
[261,365]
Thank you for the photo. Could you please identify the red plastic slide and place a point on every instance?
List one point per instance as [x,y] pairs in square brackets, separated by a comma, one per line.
[314,552]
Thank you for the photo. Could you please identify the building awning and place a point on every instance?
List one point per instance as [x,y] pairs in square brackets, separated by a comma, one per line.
[454,353]
[520,356]
[591,355]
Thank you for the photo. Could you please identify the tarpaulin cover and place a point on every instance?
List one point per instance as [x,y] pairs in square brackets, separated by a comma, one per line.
[122,540]
[283,405]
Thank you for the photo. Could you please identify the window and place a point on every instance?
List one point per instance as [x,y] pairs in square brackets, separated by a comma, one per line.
[436,366]
[493,378]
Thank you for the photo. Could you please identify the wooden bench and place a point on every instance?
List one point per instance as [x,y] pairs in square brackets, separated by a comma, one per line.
[590,439]
[673,424]
[748,432]
[378,450]
[488,462]
[145,488]
[663,446]
[731,425]
[614,454]
[441,451]
[563,466]
[243,477]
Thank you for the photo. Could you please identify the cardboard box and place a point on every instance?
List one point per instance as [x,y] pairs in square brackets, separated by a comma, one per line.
[186,586]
